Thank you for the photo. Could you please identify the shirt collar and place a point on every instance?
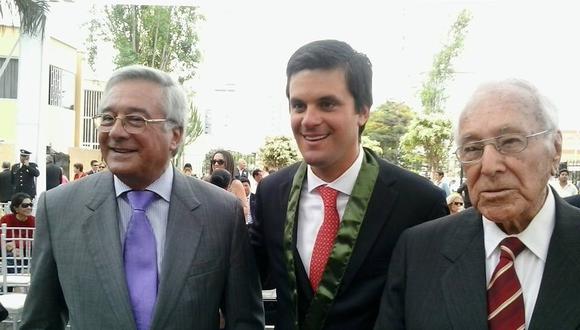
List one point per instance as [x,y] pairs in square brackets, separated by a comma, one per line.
[343,183]
[161,186]
[536,236]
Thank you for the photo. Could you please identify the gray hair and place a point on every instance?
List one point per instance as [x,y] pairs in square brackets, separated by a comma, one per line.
[544,111]
[174,104]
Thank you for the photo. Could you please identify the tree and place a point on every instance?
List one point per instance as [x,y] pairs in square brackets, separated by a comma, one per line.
[32,14]
[386,125]
[278,152]
[156,36]
[433,94]
[375,146]
[430,134]
[428,141]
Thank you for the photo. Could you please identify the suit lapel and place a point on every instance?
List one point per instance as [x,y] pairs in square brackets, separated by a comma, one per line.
[557,305]
[185,224]
[464,284]
[101,231]
[378,210]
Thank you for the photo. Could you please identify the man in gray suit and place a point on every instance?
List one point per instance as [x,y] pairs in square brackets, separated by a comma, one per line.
[141,246]
[511,261]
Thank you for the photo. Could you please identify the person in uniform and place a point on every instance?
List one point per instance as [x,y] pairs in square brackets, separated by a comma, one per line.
[24,174]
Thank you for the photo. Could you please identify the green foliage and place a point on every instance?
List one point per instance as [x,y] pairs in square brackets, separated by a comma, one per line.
[32,14]
[278,152]
[433,94]
[156,36]
[369,143]
[430,134]
[386,125]
[427,141]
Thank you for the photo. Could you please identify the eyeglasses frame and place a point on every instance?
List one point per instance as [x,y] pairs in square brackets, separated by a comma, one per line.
[494,141]
[97,119]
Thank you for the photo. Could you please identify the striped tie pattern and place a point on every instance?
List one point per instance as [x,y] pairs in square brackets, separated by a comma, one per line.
[325,237]
[505,301]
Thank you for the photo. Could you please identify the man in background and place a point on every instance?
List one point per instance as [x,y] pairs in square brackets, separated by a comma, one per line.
[24,174]
[441,183]
[141,246]
[94,167]
[6,188]
[563,187]
[53,173]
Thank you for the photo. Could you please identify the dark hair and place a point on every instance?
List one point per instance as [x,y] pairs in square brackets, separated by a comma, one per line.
[221,178]
[17,199]
[187,165]
[5,164]
[94,162]
[228,159]
[333,54]
[441,173]
[256,172]
[244,179]
[78,166]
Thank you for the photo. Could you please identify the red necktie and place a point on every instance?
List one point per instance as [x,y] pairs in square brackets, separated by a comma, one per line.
[505,300]
[326,234]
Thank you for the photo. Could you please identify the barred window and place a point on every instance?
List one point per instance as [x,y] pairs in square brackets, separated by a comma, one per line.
[9,79]
[90,109]
[61,89]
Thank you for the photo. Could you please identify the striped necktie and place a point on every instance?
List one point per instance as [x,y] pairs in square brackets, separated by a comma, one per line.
[505,300]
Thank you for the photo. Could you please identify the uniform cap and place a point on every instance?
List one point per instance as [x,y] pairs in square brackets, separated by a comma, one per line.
[25,152]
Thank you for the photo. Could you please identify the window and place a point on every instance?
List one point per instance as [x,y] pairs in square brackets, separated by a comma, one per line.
[61,90]
[92,99]
[9,79]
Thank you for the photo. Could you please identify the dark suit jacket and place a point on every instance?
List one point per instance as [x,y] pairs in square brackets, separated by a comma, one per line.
[24,178]
[437,276]
[77,264]
[400,199]
[6,188]
[574,200]
[253,205]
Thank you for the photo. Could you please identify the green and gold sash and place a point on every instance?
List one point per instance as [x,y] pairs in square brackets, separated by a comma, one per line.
[343,245]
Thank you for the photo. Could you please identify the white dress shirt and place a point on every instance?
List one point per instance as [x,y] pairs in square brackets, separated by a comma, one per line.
[529,264]
[311,207]
[157,212]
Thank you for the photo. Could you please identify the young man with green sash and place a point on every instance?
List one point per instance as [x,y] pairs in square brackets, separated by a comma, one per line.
[325,228]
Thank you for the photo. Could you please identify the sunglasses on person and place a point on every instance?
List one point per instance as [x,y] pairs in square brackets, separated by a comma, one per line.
[458,203]
[218,161]
[25,205]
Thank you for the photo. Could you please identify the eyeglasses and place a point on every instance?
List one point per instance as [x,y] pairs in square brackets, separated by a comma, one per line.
[133,124]
[458,203]
[505,144]
[217,161]
[25,205]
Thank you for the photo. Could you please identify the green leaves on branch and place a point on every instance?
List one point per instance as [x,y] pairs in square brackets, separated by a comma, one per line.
[278,152]
[386,125]
[32,14]
[428,141]
[156,36]
[433,95]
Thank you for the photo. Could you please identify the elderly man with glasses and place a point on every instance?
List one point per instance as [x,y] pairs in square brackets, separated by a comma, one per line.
[141,246]
[511,261]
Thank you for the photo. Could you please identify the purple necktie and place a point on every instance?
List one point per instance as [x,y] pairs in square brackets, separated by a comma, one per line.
[141,259]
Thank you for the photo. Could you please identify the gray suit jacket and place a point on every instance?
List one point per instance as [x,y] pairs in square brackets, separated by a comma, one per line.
[437,276]
[78,269]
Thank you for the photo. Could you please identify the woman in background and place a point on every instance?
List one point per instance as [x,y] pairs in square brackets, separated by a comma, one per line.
[455,203]
[78,170]
[222,159]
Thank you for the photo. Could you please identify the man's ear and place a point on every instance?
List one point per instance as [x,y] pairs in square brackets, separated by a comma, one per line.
[176,137]
[558,152]
[363,115]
